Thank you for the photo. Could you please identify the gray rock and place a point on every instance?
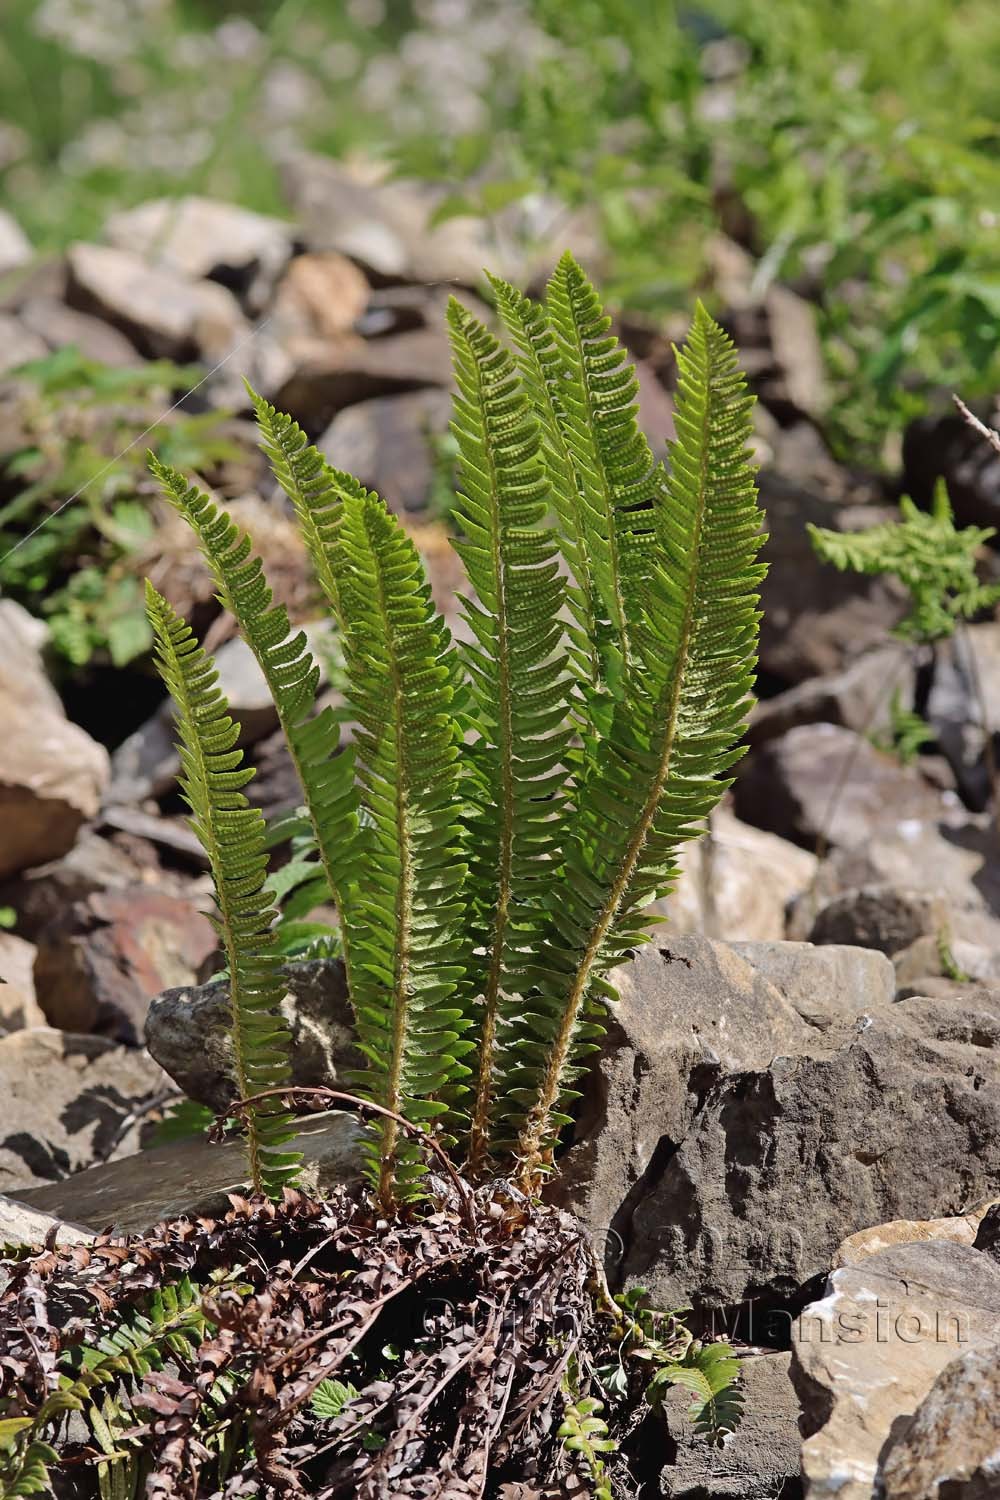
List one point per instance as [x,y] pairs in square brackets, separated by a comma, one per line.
[823,780]
[691,1012]
[202,237]
[21,1225]
[922,961]
[15,247]
[383,225]
[683,1025]
[955,709]
[865,1357]
[51,772]
[70,1101]
[885,917]
[188,1031]
[18,345]
[193,1177]
[855,979]
[902,1120]
[950,1449]
[387,444]
[857,698]
[146,763]
[165,314]
[331,376]
[60,326]
[760,1461]
[719,891]
[816,619]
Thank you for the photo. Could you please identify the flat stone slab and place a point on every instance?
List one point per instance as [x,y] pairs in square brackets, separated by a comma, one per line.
[192,1177]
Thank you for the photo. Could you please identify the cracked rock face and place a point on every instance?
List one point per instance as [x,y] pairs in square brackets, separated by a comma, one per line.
[744,1121]
[188,1031]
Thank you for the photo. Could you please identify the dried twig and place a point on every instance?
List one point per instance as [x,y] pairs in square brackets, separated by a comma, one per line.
[991,435]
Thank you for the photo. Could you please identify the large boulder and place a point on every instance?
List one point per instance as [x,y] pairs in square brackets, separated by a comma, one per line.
[693,1017]
[189,1032]
[901,1119]
[51,772]
[70,1101]
[753,1107]
[865,1358]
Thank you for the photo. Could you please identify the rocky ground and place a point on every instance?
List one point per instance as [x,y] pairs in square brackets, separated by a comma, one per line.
[795,1128]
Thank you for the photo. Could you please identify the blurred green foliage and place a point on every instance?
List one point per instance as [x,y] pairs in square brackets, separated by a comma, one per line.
[80,501]
[851,144]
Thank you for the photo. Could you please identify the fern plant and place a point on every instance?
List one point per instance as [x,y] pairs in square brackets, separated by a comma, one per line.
[934,560]
[511,806]
[936,563]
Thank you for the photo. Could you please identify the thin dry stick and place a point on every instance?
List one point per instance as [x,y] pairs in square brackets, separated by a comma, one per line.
[363,1106]
[992,436]
[989,433]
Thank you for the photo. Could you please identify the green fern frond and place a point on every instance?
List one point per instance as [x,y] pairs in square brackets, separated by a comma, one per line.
[618,479]
[232,835]
[653,780]
[584,1431]
[518,683]
[541,366]
[313,487]
[24,1469]
[292,677]
[711,1372]
[933,560]
[408,913]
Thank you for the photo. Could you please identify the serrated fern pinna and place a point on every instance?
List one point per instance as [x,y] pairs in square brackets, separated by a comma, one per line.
[511,806]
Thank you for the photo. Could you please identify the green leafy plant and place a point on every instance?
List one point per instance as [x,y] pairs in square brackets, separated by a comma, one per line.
[78,421]
[510,808]
[492,838]
[907,734]
[935,562]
